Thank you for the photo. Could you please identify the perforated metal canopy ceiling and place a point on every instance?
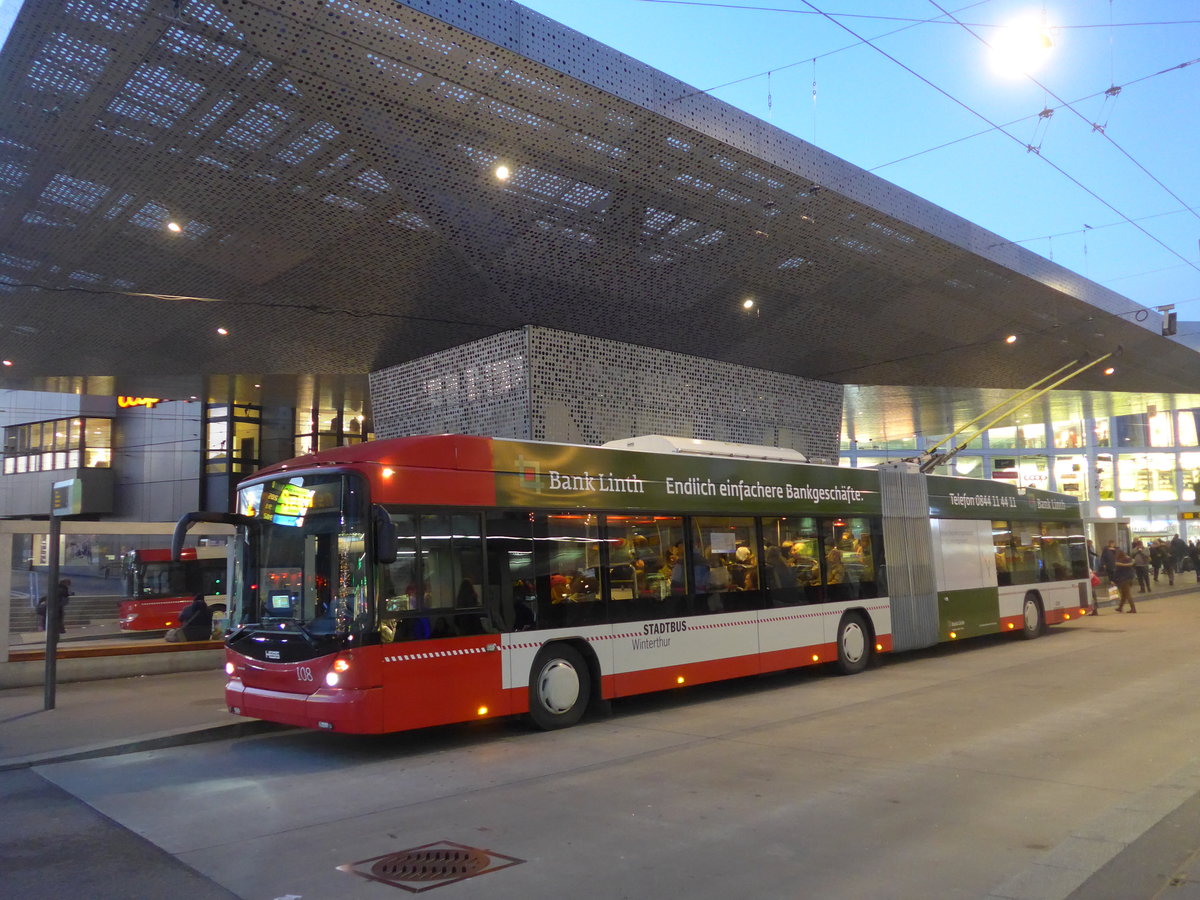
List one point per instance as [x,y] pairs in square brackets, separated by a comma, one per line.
[333,168]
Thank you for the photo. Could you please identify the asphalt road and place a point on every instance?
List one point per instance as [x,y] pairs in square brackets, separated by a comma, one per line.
[991,768]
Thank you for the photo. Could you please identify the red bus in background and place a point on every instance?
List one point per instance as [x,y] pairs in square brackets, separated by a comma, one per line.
[158,589]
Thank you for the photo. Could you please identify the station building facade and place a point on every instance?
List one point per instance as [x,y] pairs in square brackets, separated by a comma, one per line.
[1142,468]
[145,458]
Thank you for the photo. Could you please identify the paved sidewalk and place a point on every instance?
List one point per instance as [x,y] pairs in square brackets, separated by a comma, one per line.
[122,715]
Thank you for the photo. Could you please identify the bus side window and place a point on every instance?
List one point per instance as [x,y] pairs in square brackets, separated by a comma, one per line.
[451,556]
[642,552]
[509,597]
[396,593]
[567,569]
[731,584]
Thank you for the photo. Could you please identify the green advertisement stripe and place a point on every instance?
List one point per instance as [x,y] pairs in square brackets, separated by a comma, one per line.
[596,478]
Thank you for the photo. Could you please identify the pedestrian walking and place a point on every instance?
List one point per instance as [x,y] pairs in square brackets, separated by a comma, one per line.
[1156,557]
[1123,578]
[1194,555]
[1141,567]
[1178,552]
[1168,561]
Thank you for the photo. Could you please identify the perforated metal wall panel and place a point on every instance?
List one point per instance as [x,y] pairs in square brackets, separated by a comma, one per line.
[331,166]
[542,384]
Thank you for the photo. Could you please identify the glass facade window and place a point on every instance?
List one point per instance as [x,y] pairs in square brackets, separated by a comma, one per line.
[1105,480]
[329,413]
[1132,430]
[1189,466]
[1146,476]
[232,436]
[1161,430]
[1017,437]
[1186,431]
[1034,472]
[968,466]
[58,444]
[1071,476]
[869,462]
[1068,435]
[1101,432]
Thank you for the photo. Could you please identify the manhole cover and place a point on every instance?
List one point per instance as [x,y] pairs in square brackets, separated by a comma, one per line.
[430,866]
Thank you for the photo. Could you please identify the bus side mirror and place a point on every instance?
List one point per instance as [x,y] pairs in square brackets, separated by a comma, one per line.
[385,535]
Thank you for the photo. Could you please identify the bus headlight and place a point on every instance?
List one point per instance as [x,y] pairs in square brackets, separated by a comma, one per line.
[332,678]
[229,668]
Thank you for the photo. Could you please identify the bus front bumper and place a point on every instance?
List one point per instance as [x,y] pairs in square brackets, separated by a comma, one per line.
[355,711]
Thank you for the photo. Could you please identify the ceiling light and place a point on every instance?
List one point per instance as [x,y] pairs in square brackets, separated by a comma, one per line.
[222,330]
[174,227]
[748,303]
[8,362]
[1011,339]
[503,172]
[1109,370]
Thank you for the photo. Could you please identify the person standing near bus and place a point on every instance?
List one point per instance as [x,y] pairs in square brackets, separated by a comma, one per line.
[1108,556]
[1123,578]
[1141,567]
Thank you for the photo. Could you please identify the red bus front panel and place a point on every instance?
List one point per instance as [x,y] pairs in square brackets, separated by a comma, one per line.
[356,711]
[442,681]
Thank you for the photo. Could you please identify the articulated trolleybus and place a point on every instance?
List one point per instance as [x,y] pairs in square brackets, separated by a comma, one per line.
[420,581]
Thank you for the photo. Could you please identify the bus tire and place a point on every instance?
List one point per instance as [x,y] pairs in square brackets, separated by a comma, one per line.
[854,644]
[560,685]
[1033,619]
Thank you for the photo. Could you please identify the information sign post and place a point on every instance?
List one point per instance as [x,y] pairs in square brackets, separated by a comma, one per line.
[65,500]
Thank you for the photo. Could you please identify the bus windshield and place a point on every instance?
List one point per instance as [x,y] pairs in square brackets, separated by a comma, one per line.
[302,562]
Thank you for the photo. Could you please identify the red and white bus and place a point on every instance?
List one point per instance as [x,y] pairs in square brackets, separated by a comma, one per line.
[158,588]
[420,581]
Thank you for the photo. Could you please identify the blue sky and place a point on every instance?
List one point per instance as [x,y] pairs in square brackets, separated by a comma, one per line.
[873,111]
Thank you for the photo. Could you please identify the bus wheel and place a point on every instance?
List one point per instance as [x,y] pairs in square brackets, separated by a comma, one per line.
[559,687]
[853,644]
[1035,622]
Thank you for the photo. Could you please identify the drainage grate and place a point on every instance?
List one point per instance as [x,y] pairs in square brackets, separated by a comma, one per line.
[430,866]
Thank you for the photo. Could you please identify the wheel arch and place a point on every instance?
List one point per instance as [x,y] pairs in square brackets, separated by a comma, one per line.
[860,614]
[866,617]
[1036,596]
[585,650]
